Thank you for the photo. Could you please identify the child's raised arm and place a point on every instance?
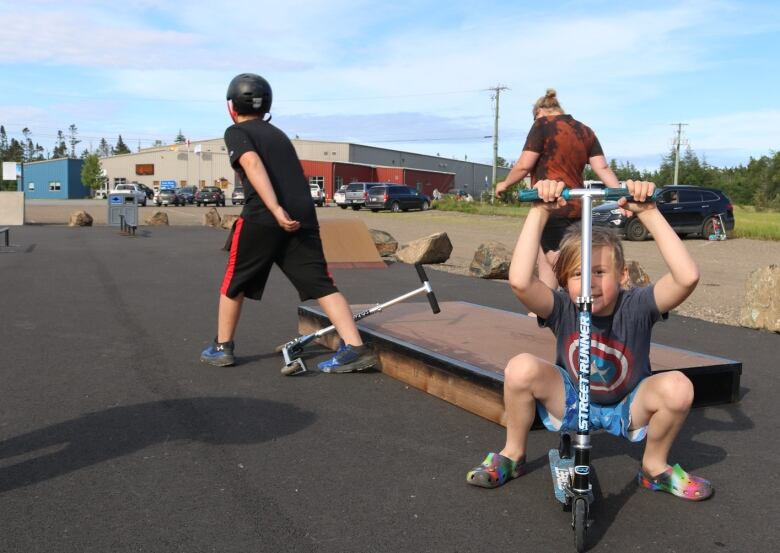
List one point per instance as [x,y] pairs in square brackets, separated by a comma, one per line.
[683,276]
[534,293]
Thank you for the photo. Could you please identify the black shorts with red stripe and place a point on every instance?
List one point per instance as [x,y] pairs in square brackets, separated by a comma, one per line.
[254,250]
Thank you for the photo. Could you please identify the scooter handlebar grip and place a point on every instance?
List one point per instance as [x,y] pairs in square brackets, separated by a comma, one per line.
[431,295]
[528,195]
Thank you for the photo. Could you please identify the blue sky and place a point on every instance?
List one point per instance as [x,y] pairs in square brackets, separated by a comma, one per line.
[411,76]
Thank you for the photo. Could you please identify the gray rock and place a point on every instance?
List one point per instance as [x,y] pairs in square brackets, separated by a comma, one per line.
[159,218]
[211,218]
[637,277]
[762,299]
[385,244]
[435,248]
[491,260]
[80,219]
[228,220]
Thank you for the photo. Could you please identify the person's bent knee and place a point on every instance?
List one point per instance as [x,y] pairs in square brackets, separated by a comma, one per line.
[521,372]
[677,391]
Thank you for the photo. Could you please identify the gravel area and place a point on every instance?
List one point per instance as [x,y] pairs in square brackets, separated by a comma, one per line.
[724,266]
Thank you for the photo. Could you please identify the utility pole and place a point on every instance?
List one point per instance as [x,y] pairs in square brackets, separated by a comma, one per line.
[676,142]
[497,94]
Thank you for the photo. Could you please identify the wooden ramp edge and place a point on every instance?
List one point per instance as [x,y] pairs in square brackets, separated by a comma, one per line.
[459,355]
[347,244]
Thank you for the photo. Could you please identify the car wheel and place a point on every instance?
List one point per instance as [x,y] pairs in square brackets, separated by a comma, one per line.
[636,230]
[356,207]
[343,207]
[374,211]
[708,228]
[395,207]
[158,204]
[425,206]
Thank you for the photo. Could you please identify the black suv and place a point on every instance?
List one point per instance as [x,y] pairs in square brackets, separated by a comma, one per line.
[689,210]
[210,195]
[396,198]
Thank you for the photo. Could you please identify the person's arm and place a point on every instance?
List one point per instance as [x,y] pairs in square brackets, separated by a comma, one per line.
[521,169]
[604,171]
[258,177]
[534,293]
[683,276]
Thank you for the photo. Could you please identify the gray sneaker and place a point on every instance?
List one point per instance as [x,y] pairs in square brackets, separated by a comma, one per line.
[349,359]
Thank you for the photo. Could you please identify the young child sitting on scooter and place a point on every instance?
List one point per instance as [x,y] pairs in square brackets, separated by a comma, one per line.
[626,398]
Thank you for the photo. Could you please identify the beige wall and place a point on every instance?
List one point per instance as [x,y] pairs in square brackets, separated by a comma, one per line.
[11,208]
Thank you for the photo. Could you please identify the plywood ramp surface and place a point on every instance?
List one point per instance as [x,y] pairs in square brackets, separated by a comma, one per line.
[347,244]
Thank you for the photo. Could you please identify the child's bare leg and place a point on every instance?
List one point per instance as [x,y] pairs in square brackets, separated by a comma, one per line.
[526,380]
[662,404]
[227,318]
[337,309]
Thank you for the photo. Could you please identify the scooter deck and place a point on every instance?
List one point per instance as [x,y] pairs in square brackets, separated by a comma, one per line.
[562,471]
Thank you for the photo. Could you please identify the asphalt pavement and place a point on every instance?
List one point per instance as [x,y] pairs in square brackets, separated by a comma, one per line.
[114,437]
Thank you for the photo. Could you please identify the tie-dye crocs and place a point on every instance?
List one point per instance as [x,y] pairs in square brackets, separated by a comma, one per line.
[676,481]
[496,470]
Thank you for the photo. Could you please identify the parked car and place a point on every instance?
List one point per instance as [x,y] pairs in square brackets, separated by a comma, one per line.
[396,198]
[688,209]
[340,197]
[237,197]
[131,189]
[356,193]
[188,193]
[169,196]
[210,195]
[148,191]
[317,194]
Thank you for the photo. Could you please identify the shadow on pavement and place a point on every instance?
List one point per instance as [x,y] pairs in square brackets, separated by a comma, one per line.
[98,437]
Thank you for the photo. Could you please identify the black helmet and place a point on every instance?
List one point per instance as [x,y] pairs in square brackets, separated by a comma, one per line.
[250,94]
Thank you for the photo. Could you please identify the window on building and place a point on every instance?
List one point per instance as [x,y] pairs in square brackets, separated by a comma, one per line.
[202,183]
[119,180]
[339,182]
[319,181]
[54,186]
[30,186]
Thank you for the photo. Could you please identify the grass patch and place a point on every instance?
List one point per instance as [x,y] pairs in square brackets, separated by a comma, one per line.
[759,225]
[500,209]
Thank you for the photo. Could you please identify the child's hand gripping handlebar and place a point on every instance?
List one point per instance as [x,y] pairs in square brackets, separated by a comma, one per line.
[570,193]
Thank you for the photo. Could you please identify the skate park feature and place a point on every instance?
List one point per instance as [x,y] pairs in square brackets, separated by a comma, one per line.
[347,244]
[459,355]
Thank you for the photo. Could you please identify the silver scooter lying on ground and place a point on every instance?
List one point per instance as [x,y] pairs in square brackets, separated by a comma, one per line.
[291,351]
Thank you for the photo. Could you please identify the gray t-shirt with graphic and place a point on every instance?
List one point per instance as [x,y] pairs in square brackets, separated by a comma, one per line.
[620,346]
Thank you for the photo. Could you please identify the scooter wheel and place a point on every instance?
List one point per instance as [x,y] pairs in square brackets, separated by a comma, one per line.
[580,522]
[295,367]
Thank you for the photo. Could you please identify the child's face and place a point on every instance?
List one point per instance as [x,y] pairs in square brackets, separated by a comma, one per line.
[605,281]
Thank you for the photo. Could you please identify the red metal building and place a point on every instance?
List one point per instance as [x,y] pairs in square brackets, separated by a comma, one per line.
[331,175]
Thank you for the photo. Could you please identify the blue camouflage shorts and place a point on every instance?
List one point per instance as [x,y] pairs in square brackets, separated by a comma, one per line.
[615,418]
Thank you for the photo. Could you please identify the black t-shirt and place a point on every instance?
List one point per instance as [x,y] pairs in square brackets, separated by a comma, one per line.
[284,169]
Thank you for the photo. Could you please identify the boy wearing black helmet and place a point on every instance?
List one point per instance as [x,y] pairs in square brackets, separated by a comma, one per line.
[278,224]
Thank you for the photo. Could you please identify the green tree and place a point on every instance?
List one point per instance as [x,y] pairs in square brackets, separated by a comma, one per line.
[121,147]
[92,172]
[104,150]
[180,138]
[72,140]
[3,142]
[60,149]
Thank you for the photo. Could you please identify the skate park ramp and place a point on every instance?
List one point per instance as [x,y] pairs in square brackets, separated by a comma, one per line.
[348,245]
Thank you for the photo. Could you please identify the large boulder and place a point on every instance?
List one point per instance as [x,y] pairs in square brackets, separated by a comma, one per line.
[637,277]
[228,220]
[159,218]
[211,218]
[435,248]
[762,299]
[491,260]
[384,242]
[80,219]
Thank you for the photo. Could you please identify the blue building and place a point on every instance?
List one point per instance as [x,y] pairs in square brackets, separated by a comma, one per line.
[55,179]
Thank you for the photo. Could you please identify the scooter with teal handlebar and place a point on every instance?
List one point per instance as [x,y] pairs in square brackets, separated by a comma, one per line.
[572,476]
